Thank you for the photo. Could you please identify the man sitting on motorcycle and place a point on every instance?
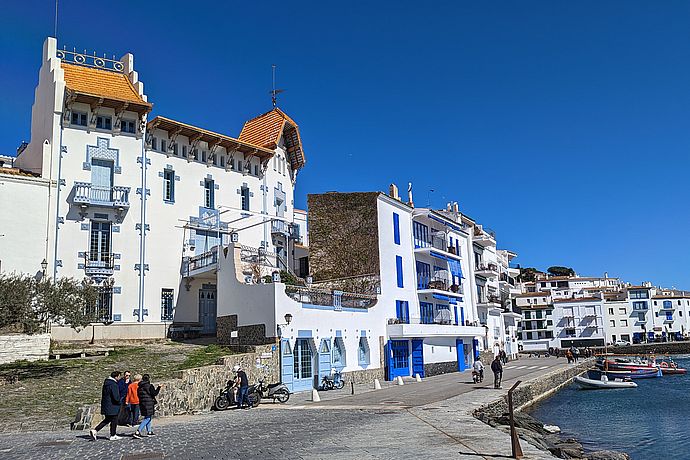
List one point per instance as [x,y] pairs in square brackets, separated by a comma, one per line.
[478,368]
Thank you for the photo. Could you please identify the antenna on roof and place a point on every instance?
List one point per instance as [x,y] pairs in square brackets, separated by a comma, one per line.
[275,92]
[56,18]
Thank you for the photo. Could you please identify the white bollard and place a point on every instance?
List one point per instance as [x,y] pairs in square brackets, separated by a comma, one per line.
[315,396]
[417,377]
[399,381]
[377,384]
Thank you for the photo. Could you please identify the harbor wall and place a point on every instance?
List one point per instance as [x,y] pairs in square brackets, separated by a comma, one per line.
[534,390]
[662,348]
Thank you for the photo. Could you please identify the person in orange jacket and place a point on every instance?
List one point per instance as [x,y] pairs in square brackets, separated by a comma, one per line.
[132,400]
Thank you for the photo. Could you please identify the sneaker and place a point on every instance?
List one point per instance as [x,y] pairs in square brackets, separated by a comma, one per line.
[93,433]
[137,435]
[114,437]
[150,433]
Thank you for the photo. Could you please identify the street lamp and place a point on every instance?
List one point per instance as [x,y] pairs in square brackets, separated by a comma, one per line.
[288,320]
[44,267]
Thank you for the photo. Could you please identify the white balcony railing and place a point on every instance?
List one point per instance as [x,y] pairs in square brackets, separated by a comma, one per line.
[95,195]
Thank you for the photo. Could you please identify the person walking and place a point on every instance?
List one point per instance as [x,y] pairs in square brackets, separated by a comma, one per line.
[147,405]
[243,382]
[497,369]
[110,406]
[122,385]
[132,400]
[576,354]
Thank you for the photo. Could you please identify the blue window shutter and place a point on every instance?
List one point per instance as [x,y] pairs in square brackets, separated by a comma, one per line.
[456,315]
[462,316]
[396,228]
[399,270]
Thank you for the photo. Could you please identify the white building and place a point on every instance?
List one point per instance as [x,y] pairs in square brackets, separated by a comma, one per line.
[140,205]
[578,322]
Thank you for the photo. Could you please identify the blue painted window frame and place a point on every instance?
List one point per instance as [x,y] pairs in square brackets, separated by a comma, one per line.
[420,233]
[667,304]
[426,312]
[363,354]
[402,311]
[423,275]
[396,228]
[169,185]
[399,271]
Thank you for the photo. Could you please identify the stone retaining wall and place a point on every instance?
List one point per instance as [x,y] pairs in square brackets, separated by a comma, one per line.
[671,348]
[440,368]
[195,390]
[16,347]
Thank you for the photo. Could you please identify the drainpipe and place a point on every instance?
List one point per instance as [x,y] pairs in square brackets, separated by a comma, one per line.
[57,200]
[142,231]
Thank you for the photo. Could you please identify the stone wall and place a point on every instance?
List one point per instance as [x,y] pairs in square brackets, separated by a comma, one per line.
[195,390]
[252,334]
[670,348]
[440,368]
[343,235]
[535,390]
[16,347]
[364,376]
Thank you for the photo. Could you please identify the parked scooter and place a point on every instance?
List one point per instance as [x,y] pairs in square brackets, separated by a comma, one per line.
[276,391]
[335,383]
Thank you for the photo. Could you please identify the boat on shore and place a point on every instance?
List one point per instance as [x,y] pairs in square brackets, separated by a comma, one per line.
[604,383]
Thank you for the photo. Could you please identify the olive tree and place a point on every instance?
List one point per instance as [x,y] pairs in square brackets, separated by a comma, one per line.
[29,305]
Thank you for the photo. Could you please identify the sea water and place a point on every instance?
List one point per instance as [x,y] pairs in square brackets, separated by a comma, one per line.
[647,422]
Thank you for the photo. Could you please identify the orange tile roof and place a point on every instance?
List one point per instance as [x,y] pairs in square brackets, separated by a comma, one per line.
[266,129]
[101,83]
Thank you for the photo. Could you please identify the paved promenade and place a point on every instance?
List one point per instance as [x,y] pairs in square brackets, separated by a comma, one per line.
[431,419]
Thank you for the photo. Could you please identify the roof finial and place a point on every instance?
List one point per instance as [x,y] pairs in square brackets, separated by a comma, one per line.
[275,92]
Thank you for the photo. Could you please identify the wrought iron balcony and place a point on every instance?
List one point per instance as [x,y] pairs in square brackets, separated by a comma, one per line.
[200,262]
[439,283]
[99,263]
[86,194]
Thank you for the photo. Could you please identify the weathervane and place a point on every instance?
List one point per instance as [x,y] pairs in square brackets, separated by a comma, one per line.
[275,92]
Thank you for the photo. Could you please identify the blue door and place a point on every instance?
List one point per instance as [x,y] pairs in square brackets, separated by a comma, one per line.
[418,357]
[398,358]
[324,359]
[475,348]
[303,370]
[460,350]
[288,364]
[207,309]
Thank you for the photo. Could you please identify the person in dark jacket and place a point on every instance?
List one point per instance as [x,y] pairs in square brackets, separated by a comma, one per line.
[122,385]
[147,405]
[497,369]
[110,406]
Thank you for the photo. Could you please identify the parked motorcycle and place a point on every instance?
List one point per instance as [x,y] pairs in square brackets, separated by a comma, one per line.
[227,397]
[276,391]
[335,383]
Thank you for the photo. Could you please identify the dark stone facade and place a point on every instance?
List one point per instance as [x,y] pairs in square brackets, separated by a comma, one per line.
[343,235]
[253,334]
[440,368]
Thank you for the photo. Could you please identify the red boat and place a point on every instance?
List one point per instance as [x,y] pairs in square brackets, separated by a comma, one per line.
[671,368]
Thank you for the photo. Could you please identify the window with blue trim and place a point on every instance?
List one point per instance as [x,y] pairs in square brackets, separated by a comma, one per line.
[426,312]
[639,305]
[208,193]
[423,275]
[669,315]
[338,352]
[399,270]
[79,118]
[363,351]
[667,304]
[402,311]
[396,228]
[169,185]
[420,234]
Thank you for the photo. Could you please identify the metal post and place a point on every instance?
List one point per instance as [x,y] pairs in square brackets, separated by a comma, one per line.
[516,450]
[352,385]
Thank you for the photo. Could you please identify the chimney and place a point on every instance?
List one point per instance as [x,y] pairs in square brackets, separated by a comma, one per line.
[448,208]
[456,209]
[393,192]
[606,275]
[409,195]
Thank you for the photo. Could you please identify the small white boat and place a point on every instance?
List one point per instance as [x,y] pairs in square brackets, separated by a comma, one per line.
[604,383]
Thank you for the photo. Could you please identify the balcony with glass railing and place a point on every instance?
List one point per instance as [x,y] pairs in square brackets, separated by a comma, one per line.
[435,246]
[86,194]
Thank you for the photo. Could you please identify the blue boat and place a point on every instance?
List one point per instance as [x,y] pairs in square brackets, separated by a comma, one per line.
[632,374]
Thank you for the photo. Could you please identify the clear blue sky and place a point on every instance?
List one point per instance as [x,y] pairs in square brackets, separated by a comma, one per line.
[564,126]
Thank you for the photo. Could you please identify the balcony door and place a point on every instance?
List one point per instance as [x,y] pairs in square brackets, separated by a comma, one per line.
[99,247]
[101,180]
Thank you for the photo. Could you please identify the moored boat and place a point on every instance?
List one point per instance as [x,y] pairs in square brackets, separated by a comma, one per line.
[604,383]
[671,368]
